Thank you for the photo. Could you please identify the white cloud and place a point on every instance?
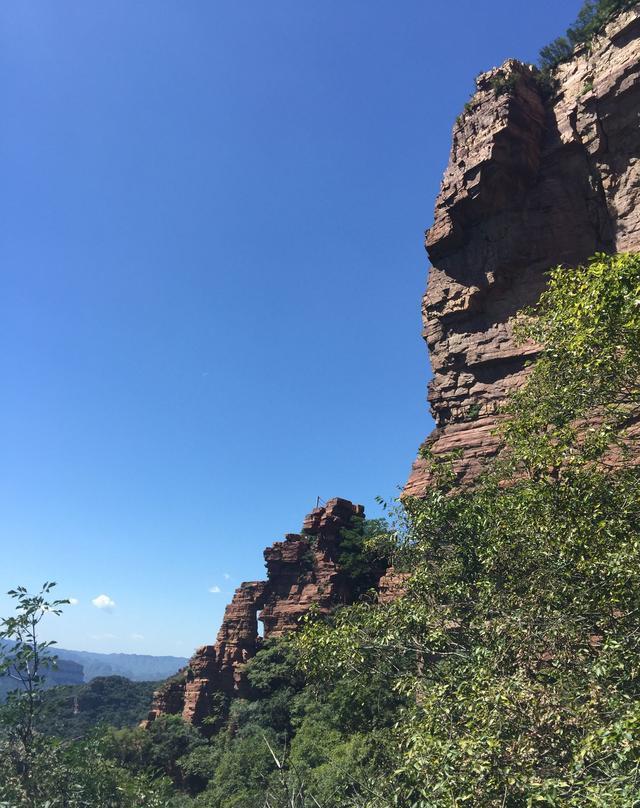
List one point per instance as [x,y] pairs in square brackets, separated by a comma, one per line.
[73,601]
[227,577]
[215,590]
[103,602]
[135,636]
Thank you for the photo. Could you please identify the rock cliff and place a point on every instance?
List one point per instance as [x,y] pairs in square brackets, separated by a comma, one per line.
[539,175]
[303,570]
[535,179]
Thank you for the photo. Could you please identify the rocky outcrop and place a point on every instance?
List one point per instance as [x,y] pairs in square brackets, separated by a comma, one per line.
[302,571]
[533,181]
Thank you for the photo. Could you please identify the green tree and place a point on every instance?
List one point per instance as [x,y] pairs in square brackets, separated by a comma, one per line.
[588,322]
[37,771]
[73,711]
[360,558]
[24,658]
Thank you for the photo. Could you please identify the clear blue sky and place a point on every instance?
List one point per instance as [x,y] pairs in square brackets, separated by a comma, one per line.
[211,267]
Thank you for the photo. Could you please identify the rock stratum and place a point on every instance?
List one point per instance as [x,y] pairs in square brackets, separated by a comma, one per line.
[302,571]
[535,180]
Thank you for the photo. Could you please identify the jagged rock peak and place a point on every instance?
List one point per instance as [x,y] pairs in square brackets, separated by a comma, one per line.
[302,571]
[535,180]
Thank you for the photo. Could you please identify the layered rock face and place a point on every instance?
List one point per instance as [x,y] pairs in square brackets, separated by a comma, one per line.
[532,182]
[392,585]
[302,571]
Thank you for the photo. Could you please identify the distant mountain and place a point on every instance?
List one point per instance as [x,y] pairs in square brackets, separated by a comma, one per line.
[66,672]
[137,667]
[77,667]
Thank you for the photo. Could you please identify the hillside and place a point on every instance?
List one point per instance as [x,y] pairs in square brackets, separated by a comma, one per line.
[73,711]
[66,672]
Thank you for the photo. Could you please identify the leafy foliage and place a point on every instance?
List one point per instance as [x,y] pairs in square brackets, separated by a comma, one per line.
[292,743]
[40,771]
[360,559]
[516,645]
[589,324]
[23,658]
[80,775]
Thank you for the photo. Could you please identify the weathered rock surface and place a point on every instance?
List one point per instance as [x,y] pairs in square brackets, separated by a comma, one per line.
[392,585]
[532,183]
[302,571]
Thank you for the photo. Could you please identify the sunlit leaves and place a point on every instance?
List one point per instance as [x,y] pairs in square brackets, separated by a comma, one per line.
[517,642]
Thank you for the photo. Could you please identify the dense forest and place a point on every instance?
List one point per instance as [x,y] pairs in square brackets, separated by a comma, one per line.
[506,675]
[72,711]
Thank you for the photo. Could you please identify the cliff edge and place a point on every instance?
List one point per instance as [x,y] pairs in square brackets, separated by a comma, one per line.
[534,180]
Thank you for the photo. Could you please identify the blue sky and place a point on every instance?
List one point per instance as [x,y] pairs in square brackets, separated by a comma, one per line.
[211,266]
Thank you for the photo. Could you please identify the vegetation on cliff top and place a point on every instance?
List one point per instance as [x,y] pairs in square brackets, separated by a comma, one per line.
[591,18]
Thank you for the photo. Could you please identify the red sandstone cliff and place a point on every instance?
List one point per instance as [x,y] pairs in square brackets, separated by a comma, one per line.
[532,182]
[302,571]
